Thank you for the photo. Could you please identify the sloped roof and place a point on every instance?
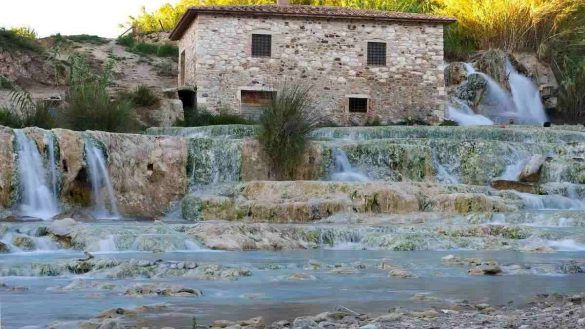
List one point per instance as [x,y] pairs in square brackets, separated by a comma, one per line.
[304,11]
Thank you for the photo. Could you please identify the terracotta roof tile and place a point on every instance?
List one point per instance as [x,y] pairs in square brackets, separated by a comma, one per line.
[304,11]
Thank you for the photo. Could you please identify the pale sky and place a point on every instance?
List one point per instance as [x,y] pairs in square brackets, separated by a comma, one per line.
[47,17]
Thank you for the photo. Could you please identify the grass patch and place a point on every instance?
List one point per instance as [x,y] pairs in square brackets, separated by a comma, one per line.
[148,49]
[285,127]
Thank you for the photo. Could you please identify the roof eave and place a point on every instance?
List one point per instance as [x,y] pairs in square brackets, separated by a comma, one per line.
[191,13]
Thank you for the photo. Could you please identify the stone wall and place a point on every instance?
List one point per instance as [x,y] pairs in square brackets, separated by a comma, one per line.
[329,55]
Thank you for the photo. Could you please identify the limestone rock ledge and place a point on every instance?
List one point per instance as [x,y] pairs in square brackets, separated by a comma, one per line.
[306,201]
[148,173]
[7,165]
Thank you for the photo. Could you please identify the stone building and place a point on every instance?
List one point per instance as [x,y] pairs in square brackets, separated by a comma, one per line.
[360,64]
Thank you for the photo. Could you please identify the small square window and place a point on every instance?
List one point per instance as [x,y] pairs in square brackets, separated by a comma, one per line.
[377,53]
[358,105]
[261,45]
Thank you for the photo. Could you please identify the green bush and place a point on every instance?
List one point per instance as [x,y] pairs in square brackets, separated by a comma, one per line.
[285,127]
[89,104]
[143,96]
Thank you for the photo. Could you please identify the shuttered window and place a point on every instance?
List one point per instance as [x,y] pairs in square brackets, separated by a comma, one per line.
[377,53]
[261,45]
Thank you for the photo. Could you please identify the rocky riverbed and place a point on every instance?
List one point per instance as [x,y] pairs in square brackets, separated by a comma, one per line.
[401,226]
[543,311]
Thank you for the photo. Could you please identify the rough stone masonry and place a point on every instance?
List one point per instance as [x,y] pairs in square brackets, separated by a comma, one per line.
[328,53]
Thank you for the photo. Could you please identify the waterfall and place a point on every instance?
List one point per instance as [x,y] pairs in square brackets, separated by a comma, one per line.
[100,183]
[53,172]
[526,97]
[513,170]
[343,169]
[523,105]
[464,116]
[37,198]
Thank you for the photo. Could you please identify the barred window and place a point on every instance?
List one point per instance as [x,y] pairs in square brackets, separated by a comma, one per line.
[261,45]
[377,53]
[358,105]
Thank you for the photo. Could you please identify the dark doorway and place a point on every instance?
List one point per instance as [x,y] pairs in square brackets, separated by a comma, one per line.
[189,99]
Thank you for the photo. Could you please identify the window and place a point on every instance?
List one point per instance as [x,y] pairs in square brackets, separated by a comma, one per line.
[261,45]
[253,103]
[377,53]
[358,105]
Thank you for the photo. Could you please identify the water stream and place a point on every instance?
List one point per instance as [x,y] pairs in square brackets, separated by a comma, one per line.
[343,171]
[38,196]
[522,105]
[104,206]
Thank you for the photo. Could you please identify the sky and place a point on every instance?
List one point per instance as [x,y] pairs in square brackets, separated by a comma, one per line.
[48,17]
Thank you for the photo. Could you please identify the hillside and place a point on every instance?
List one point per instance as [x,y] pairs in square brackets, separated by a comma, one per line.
[43,71]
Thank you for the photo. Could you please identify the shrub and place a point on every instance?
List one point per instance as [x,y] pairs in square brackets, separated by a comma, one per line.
[11,40]
[167,50]
[448,123]
[285,127]
[9,119]
[126,40]
[6,83]
[572,97]
[87,38]
[146,48]
[202,117]
[25,112]
[25,32]
[143,96]
[89,105]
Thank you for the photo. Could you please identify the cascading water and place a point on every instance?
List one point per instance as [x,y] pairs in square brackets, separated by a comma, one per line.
[526,97]
[100,183]
[343,169]
[523,105]
[53,171]
[464,116]
[37,198]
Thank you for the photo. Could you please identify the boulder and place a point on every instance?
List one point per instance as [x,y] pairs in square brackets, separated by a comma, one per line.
[531,171]
[168,112]
[501,184]
[4,248]
[455,73]
[486,268]
[472,90]
[23,242]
